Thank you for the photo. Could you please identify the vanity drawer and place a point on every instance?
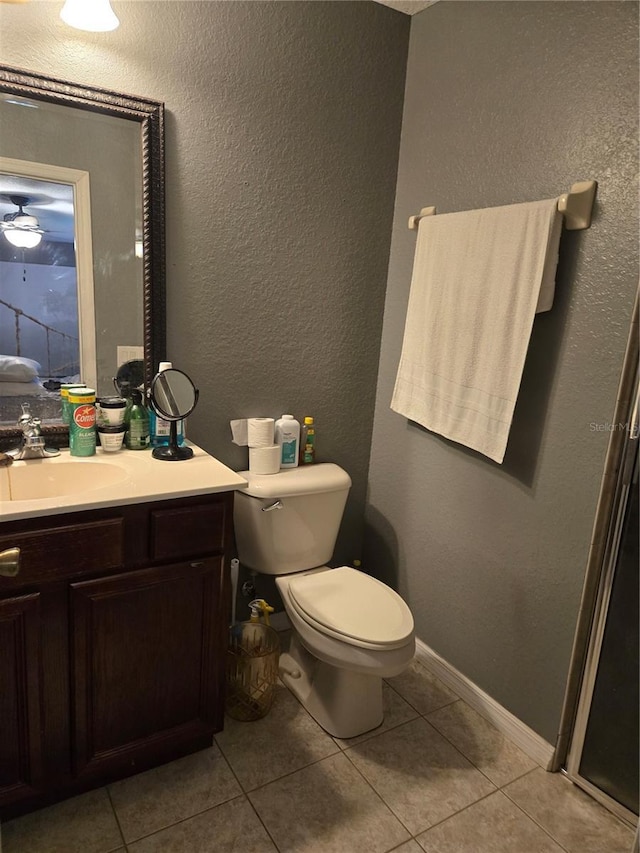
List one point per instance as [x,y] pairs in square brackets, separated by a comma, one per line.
[62,552]
[190,531]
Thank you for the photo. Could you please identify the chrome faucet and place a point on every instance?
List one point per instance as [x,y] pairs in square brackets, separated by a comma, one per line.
[32,445]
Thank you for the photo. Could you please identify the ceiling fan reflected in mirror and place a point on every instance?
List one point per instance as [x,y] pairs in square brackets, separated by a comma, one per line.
[20,228]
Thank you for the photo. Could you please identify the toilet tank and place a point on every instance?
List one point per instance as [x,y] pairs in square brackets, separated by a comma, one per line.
[288,522]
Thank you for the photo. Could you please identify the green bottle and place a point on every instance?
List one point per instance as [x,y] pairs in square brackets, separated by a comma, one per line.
[137,434]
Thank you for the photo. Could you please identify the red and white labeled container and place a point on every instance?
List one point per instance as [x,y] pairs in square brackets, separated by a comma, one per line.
[82,421]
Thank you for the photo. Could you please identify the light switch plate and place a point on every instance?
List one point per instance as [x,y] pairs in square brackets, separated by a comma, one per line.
[129,354]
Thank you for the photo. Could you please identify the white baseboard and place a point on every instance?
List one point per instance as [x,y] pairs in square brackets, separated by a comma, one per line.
[535,746]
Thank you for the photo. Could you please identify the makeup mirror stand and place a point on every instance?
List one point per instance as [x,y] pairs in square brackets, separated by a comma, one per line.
[173,397]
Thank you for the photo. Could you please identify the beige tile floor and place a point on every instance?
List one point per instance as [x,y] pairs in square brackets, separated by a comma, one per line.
[435,777]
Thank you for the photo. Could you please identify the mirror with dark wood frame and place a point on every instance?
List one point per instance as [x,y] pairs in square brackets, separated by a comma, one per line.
[57,104]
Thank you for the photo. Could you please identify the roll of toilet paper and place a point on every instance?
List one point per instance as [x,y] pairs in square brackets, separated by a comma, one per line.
[264,460]
[239,432]
[260,432]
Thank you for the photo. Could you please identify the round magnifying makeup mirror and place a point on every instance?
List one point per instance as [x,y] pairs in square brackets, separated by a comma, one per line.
[173,397]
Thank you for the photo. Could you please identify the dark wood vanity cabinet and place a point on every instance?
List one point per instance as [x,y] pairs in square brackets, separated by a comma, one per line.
[21,700]
[112,644]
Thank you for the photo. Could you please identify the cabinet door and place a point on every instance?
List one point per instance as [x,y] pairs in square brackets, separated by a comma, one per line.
[21,771]
[147,663]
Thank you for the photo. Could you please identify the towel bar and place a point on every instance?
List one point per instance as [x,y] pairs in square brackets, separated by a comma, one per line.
[576,206]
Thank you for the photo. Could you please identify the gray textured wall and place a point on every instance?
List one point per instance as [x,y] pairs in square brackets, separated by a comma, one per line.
[283,124]
[282,135]
[509,102]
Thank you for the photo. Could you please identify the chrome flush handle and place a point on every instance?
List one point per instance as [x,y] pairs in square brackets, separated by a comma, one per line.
[276,505]
[10,562]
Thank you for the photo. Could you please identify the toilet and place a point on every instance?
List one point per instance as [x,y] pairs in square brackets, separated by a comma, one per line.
[349,630]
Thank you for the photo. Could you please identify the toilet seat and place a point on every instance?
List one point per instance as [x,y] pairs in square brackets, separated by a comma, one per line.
[352,607]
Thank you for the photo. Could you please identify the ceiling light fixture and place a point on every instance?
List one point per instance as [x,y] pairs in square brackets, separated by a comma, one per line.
[96,16]
[21,229]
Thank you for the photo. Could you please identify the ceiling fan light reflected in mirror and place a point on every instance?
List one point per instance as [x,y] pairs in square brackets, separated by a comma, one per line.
[21,229]
[95,16]
[23,239]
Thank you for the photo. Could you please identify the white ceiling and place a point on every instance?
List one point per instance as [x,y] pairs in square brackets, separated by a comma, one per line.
[409,7]
[50,203]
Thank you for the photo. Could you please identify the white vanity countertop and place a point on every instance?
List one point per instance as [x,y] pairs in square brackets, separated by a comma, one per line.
[128,476]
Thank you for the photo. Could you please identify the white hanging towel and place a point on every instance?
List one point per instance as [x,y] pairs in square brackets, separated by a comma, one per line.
[479,277]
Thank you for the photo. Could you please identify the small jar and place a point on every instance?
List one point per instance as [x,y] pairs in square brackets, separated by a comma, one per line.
[111,437]
[111,411]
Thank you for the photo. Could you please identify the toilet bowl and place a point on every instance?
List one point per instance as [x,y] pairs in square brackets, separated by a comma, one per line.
[336,669]
[349,630]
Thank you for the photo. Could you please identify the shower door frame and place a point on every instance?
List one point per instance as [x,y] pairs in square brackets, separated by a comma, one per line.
[622,457]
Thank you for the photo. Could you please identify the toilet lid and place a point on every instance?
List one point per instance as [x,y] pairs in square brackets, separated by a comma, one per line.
[353,606]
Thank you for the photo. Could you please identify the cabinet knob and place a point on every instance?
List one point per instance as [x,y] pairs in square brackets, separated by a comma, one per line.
[10,562]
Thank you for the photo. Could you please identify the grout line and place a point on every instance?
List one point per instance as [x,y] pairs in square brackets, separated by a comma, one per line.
[371,736]
[432,710]
[185,819]
[402,843]
[115,814]
[470,760]
[460,752]
[188,817]
[459,811]
[483,797]
[521,776]
[338,751]
[251,790]
[530,817]
[466,757]
[380,797]
[292,772]
[311,764]
[525,738]
[266,829]
[244,793]
[228,763]
[374,733]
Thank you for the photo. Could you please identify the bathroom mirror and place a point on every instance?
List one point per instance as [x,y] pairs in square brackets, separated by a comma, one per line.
[111,146]
[130,375]
[173,397]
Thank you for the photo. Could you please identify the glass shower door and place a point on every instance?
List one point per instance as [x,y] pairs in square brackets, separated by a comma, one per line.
[603,757]
[610,751]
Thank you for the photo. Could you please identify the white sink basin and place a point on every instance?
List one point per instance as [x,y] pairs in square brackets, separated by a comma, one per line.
[37,479]
[65,483]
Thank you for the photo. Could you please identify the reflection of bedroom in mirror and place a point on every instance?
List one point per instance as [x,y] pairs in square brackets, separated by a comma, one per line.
[47,328]
[108,147]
